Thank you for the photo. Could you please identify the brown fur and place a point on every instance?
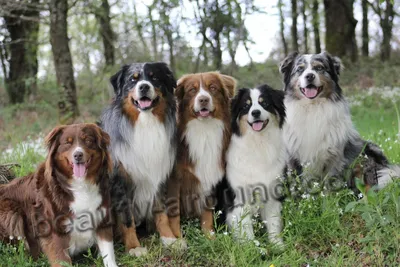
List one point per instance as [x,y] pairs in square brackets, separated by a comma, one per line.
[184,185]
[34,207]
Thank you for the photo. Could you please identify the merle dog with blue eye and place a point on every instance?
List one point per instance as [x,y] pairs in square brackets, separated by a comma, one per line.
[319,132]
[142,126]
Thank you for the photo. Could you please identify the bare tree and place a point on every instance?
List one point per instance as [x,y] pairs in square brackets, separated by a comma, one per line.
[385,10]
[295,44]
[340,37]
[305,30]
[22,23]
[107,34]
[68,105]
[365,33]
[315,23]
[282,27]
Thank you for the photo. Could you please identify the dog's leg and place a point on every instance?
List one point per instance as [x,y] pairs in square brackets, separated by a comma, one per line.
[163,228]
[207,223]
[104,238]
[12,223]
[271,215]
[173,203]
[55,248]
[131,241]
[239,221]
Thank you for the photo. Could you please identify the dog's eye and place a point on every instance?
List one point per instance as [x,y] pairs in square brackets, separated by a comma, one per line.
[88,141]
[261,100]
[69,141]
[319,68]
[192,90]
[248,103]
[154,78]
[213,88]
[134,77]
[300,69]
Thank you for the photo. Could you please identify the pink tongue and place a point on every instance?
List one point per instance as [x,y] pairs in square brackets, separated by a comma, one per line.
[79,170]
[204,113]
[257,126]
[144,103]
[310,92]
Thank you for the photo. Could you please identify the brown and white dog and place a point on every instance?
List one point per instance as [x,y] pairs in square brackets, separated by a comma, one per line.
[203,135]
[64,207]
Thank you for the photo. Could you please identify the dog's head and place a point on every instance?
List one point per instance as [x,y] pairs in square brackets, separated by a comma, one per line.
[257,109]
[205,95]
[312,76]
[141,86]
[79,152]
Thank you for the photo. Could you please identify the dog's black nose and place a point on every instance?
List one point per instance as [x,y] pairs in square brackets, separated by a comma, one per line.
[310,77]
[256,113]
[78,156]
[144,88]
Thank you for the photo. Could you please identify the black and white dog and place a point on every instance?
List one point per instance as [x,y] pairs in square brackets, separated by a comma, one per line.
[255,160]
[142,126]
[319,131]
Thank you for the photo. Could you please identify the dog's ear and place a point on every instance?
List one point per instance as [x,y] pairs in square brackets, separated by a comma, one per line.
[335,64]
[170,81]
[118,80]
[180,87]
[52,138]
[278,97]
[286,66]
[235,110]
[229,83]
[103,141]
[52,142]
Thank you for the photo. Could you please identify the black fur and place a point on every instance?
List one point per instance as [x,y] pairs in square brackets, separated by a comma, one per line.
[273,103]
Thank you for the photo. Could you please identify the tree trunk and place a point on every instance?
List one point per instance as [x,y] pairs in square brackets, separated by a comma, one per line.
[68,105]
[106,32]
[154,33]
[23,64]
[387,26]
[365,33]
[295,44]
[315,22]
[217,52]
[340,37]
[282,28]
[305,30]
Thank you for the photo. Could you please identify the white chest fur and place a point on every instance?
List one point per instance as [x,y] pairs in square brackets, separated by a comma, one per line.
[255,158]
[87,200]
[205,140]
[316,133]
[148,157]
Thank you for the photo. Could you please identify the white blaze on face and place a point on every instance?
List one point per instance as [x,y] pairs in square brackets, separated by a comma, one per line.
[79,169]
[198,107]
[150,94]
[308,70]
[257,123]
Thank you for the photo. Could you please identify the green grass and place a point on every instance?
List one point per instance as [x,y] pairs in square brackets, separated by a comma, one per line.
[331,230]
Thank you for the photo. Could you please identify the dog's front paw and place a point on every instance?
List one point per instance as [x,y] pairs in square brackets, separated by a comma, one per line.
[278,243]
[174,243]
[168,241]
[137,252]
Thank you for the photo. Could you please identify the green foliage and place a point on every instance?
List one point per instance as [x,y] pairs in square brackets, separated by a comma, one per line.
[334,229]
